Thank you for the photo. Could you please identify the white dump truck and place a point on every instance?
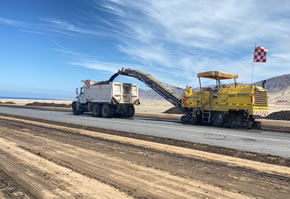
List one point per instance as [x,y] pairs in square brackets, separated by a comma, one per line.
[106,99]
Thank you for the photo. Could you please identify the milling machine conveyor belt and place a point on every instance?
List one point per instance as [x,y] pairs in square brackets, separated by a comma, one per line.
[151,82]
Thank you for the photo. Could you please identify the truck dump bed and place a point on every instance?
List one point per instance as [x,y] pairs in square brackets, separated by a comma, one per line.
[112,92]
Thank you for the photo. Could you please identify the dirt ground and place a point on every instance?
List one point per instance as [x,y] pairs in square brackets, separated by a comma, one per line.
[266,123]
[41,160]
[23,102]
[146,106]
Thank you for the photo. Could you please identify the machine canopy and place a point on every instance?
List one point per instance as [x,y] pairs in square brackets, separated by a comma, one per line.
[217,75]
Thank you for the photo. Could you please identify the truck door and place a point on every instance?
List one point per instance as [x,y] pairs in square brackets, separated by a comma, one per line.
[82,96]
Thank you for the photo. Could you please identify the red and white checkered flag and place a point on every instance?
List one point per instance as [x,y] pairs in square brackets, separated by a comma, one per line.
[87,84]
[260,54]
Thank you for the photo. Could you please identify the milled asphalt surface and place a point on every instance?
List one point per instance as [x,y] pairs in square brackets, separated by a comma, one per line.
[266,142]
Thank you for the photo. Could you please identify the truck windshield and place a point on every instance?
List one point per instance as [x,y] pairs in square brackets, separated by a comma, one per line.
[82,90]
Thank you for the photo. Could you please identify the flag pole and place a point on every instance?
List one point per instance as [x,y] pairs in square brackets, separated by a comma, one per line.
[253,72]
[253,65]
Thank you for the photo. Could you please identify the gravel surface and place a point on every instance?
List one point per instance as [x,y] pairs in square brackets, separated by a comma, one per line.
[281,115]
[48,104]
[257,141]
[42,160]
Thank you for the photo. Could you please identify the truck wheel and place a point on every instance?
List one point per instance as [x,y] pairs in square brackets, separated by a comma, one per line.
[232,123]
[131,111]
[256,125]
[96,110]
[246,124]
[107,111]
[74,109]
[186,119]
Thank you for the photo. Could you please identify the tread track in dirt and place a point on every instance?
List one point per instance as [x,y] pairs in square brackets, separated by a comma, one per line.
[135,170]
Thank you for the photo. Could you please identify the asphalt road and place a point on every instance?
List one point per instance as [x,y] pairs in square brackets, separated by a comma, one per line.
[266,142]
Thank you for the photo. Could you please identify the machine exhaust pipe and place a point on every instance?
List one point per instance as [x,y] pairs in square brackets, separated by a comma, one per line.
[264,83]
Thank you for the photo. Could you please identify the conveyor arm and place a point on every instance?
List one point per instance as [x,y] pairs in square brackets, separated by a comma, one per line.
[151,82]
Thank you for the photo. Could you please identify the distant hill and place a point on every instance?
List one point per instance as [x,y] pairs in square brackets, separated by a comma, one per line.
[149,95]
[278,88]
[277,84]
[152,95]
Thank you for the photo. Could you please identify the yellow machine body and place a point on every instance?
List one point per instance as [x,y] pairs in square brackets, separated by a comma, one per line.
[225,105]
[251,99]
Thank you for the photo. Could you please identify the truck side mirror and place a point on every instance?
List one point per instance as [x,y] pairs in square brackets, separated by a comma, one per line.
[77,91]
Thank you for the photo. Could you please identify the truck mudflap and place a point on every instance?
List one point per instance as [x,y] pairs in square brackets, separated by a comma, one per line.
[137,102]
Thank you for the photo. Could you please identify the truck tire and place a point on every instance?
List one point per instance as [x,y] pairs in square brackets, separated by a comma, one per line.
[256,125]
[246,124]
[184,119]
[187,119]
[131,111]
[96,110]
[107,111]
[75,109]
[232,123]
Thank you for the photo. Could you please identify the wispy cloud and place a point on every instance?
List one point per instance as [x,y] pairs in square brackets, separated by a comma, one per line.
[87,61]
[12,22]
[174,40]
[53,25]
[65,27]
[92,64]
[192,36]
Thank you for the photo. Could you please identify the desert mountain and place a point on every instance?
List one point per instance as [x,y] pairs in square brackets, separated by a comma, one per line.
[278,88]
[152,95]
[277,84]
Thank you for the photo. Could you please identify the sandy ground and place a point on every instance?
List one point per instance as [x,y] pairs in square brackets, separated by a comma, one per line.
[24,102]
[283,95]
[41,160]
[146,106]
[278,107]
[154,110]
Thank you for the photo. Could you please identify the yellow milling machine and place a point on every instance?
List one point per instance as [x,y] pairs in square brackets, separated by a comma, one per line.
[225,105]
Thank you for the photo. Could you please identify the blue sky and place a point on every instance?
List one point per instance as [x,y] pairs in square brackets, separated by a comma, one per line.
[48,46]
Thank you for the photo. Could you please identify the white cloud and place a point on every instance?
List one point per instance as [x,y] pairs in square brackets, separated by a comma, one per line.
[148,55]
[53,25]
[96,65]
[193,36]
[9,21]
[65,27]
[91,62]
[12,22]
[174,40]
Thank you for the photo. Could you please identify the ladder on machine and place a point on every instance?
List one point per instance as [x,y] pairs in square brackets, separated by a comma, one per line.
[206,114]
